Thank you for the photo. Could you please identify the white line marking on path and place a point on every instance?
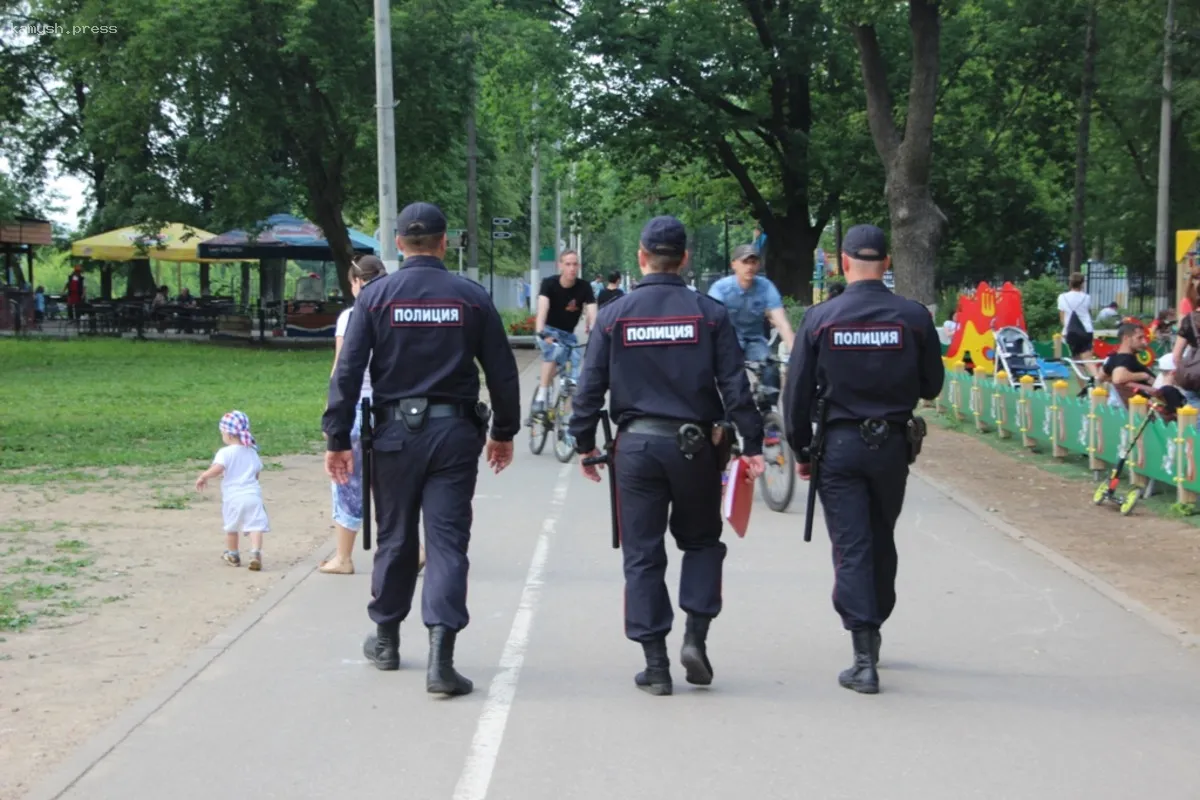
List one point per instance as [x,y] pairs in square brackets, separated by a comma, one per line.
[489,733]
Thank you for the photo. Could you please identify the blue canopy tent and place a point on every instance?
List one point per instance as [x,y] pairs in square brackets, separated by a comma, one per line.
[285,237]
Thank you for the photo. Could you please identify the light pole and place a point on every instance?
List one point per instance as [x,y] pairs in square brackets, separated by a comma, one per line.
[385,111]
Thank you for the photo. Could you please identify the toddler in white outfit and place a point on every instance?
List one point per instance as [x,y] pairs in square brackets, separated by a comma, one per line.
[241,496]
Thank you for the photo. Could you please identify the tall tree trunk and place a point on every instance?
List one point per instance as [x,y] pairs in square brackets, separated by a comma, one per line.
[1082,143]
[205,279]
[789,257]
[106,281]
[141,279]
[916,221]
[326,200]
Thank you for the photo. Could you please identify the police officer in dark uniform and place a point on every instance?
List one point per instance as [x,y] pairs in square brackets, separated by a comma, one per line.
[871,355]
[422,328]
[671,359]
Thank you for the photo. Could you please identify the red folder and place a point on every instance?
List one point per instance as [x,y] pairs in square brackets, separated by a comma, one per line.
[739,496]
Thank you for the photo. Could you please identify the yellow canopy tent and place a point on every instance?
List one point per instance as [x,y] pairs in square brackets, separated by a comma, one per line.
[175,242]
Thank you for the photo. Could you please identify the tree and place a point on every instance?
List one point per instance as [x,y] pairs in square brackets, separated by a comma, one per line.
[726,84]
[916,221]
[1078,217]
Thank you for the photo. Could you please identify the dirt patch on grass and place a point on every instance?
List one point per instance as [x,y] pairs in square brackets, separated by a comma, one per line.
[105,587]
[1153,559]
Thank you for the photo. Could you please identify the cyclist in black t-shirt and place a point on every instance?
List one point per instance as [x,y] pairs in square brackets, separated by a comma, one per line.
[611,291]
[563,299]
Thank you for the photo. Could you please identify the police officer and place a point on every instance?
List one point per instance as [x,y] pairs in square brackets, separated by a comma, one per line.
[671,359]
[421,329]
[872,355]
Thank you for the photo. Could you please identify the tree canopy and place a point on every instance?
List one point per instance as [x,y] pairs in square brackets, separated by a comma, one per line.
[962,126]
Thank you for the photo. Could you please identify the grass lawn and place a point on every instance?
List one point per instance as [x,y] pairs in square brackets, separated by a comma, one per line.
[103,403]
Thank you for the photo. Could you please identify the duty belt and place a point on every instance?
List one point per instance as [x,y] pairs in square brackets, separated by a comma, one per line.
[658,426]
[395,411]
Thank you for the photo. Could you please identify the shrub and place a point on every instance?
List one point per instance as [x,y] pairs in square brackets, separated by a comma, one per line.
[1039,297]
[523,327]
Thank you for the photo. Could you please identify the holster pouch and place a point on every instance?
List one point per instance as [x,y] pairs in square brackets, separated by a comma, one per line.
[915,432]
[874,432]
[414,411]
[690,439]
[723,439]
[483,414]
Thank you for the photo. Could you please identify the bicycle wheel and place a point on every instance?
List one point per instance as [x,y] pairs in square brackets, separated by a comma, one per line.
[538,429]
[779,479]
[564,448]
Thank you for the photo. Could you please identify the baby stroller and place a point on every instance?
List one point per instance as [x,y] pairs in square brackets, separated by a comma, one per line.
[1164,402]
[1016,357]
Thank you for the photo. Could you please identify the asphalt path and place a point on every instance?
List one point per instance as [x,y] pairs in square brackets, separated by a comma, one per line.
[1003,676]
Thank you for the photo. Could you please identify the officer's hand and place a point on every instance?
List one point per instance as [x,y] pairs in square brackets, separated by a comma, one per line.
[590,472]
[804,471]
[339,465]
[499,455]
[757,466]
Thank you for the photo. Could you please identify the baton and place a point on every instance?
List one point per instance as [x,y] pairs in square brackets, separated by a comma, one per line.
[815,452]
[608,459]
[367,439]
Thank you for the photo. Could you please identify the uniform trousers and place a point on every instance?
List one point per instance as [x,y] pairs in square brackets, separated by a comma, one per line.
[660,488]
[862,493]
[429,473]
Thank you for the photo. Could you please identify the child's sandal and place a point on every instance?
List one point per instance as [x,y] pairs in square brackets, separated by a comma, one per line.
[255,560]
[231,558]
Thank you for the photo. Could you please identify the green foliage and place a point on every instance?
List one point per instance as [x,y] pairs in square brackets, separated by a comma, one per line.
[117,403]
[1039,297]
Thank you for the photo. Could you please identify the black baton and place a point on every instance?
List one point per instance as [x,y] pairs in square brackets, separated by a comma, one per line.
[367,439]
[815,452]
[609,460]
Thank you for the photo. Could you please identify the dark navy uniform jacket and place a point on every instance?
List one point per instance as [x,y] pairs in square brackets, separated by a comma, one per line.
[422,328]
[664,351]
[871,353]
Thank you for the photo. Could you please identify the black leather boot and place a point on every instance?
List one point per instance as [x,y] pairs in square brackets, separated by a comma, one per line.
[441,678]
[383,647]
[876,642]
[694,655]
[862,677]
[656,679]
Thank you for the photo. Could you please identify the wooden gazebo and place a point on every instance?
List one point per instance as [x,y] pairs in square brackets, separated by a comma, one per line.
[19,236]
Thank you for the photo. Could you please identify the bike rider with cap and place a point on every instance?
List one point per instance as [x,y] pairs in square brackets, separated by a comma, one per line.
[750,298]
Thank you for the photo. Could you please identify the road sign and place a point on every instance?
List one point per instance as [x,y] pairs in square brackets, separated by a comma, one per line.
[501,221]
[501,235]
[454,238]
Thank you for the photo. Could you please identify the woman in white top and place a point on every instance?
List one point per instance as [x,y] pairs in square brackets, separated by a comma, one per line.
[347,499]
[1080,337]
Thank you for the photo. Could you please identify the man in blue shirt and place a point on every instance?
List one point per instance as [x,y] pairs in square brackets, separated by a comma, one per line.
[750,299]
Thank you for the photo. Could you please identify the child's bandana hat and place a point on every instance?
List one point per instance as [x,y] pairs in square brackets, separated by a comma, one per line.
[235,423]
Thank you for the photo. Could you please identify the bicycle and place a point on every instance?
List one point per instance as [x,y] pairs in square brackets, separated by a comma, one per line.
[557,413]
[778,489]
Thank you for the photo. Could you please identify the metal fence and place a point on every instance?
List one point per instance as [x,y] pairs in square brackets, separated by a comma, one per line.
[1136,291]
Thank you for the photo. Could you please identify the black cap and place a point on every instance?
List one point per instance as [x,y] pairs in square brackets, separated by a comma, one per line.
[744,251]
[420,219]
[664,236]
[865,237]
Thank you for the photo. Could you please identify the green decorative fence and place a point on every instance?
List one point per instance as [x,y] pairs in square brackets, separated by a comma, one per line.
[1059,424]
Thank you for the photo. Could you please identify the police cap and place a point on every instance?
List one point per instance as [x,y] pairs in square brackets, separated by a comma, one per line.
[745,251]
[420,219]
[664,236]
[861,238]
